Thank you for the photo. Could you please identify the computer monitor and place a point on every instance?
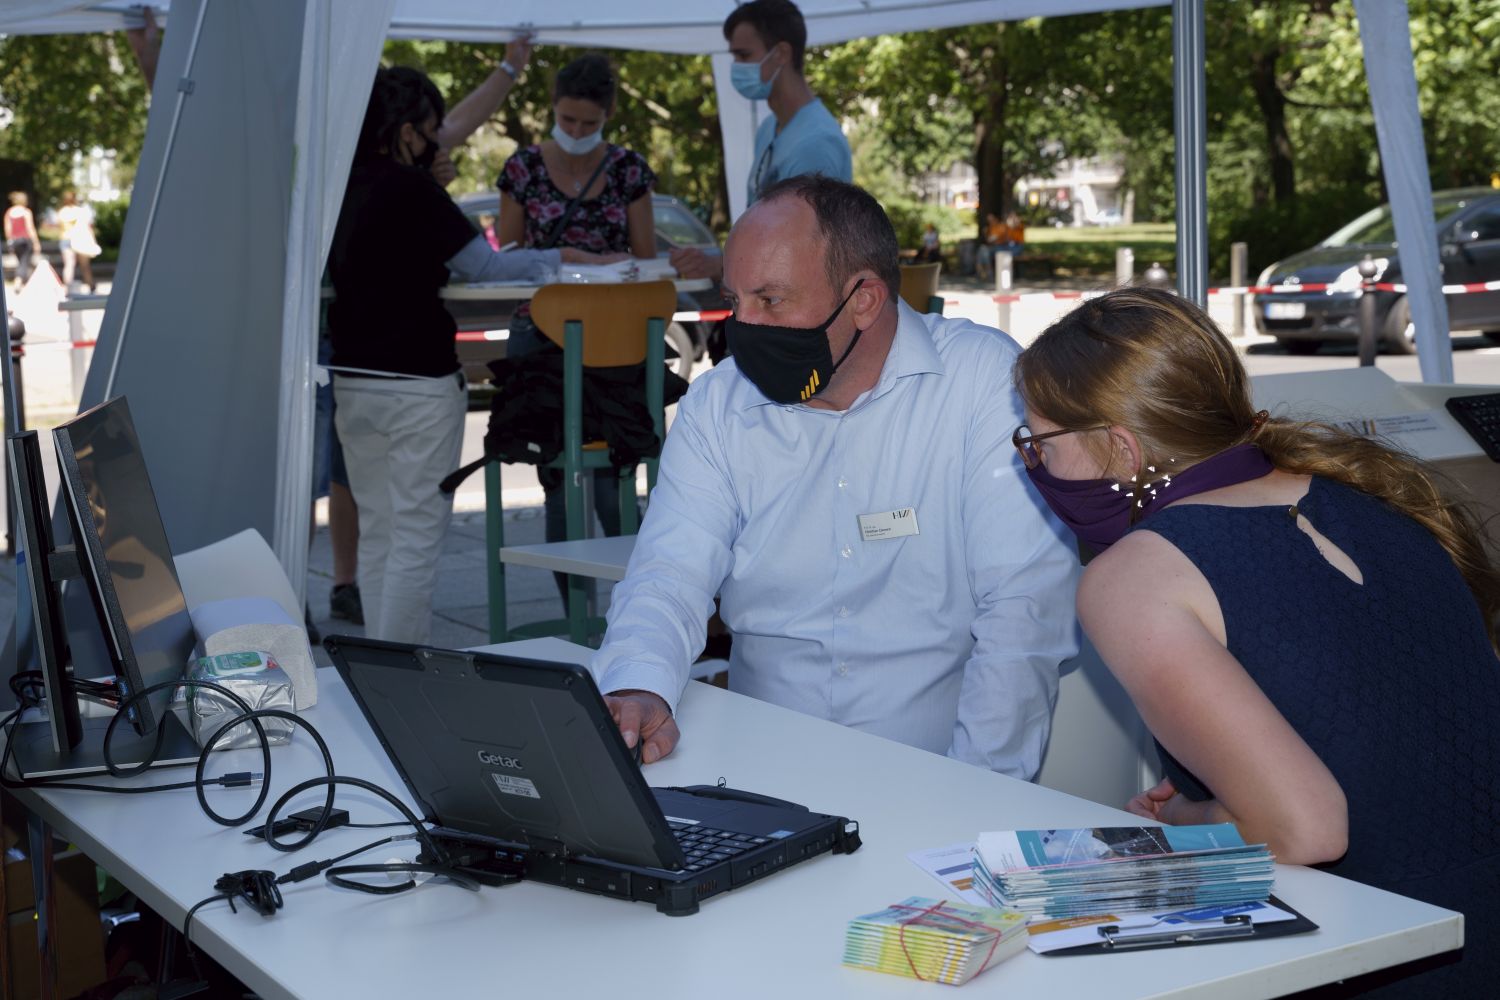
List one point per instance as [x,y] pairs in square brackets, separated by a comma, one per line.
[44,570]
[123,560]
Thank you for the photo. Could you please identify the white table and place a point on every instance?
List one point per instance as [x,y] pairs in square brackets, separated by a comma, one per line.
[597,558]
[779,937]
[501,290]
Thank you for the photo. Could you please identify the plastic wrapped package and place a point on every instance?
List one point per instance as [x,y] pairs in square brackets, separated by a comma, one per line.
[254,677]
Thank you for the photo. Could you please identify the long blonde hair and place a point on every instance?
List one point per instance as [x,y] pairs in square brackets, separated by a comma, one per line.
[1150,361]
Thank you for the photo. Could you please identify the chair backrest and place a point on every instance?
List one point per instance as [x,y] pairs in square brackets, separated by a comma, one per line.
[919,284]
[613,316]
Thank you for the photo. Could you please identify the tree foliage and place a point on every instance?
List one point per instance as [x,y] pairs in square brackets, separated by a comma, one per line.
[1292,144]
[66,94]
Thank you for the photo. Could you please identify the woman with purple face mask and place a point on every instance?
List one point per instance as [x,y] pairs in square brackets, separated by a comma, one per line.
[1305,622]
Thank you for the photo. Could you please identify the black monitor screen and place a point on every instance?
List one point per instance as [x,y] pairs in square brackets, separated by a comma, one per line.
[123,547]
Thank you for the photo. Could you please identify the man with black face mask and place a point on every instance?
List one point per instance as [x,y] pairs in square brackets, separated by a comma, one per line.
[848,488]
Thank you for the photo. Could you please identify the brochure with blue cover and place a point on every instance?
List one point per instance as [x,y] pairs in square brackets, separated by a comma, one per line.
[1073,872]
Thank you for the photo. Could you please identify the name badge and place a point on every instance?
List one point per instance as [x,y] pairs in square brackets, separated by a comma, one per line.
[888,524]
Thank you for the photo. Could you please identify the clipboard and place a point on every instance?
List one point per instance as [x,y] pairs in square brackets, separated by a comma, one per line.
[1227,929]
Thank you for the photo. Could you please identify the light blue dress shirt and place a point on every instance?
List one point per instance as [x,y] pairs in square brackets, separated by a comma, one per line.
[810,143]
[948,639]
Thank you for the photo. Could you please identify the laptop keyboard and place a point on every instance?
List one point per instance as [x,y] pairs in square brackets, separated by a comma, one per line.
[703,846]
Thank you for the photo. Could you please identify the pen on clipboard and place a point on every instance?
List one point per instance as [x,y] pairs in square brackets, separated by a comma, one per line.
[1238,925]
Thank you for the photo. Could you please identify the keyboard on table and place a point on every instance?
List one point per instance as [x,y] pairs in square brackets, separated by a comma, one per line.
[1480,416]
[703,846]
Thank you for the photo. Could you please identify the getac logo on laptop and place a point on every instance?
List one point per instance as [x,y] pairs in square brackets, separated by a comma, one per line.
[499,760]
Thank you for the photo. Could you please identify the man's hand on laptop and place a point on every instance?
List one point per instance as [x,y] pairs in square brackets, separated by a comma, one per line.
[642,715]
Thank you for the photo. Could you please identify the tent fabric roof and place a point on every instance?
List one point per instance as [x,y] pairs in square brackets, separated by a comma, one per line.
[686,26]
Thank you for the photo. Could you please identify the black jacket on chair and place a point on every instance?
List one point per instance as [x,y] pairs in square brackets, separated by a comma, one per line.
[526,413]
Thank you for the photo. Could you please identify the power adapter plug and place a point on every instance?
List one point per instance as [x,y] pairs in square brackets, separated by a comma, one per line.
[302,822]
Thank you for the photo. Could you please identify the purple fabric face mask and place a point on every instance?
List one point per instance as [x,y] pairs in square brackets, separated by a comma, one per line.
[1099,511]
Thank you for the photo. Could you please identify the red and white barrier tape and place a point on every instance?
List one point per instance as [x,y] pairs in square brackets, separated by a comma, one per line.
[1380,286]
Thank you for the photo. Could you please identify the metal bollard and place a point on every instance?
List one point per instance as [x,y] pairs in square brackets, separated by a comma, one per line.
[1156,276]
[17,333]
[1004,275]
[1239,263]
[77,359]
[1004,271]
[1368,345]
[1124,266]
[1002,315]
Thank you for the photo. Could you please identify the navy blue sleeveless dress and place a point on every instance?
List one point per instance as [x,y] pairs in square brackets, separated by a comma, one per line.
[1392,683]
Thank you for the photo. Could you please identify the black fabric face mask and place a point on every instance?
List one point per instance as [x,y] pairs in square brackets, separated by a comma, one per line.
[789,364]
[427,156]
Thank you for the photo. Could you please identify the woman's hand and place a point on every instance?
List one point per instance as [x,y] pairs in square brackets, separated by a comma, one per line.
[1164,804]
[1148,803]
[518,52]
[572,256]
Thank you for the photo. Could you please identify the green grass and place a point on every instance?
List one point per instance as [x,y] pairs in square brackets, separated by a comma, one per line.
[1090,250]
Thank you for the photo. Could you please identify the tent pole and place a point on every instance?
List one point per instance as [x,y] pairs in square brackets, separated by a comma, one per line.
[1190,116]
[184,88]
[1385,38]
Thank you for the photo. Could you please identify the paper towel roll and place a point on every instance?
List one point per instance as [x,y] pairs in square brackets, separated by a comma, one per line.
[260,625]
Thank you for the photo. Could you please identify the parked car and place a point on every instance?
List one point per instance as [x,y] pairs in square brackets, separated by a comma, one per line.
[481,324]
[1466,226]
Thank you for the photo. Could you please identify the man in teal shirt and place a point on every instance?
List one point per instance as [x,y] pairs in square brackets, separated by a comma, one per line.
[768,39]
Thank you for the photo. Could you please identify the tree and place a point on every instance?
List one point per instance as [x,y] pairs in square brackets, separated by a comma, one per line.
[997,95]
[67,94]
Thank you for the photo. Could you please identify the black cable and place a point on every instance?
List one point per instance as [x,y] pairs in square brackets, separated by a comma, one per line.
[232,780]
[331,780]
[339,877]
[161,730]
[259,887]
[376,826]
[254,717]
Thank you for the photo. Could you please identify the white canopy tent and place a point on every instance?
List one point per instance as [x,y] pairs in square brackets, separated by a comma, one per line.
[213,315]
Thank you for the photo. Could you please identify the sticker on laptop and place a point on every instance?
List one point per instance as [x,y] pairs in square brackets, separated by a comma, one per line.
[779,834]
[523,787]
[685,822]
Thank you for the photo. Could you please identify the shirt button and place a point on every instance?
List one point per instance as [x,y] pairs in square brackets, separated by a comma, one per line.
[846,552]
[843,669]
[844,612]
[843,482]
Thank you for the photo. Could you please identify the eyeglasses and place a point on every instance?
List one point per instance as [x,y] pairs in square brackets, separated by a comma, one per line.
[1025,442]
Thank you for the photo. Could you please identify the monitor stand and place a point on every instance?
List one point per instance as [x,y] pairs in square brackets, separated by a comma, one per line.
[32,749]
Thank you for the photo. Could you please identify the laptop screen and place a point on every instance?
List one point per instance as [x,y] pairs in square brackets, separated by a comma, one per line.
[519,750]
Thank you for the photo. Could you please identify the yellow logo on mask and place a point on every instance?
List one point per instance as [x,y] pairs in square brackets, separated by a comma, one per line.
[811,387]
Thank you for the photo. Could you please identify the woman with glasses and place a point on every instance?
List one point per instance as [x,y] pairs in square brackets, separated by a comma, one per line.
[1305,621]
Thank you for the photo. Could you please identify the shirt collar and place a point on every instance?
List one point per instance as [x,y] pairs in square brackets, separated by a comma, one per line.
[912,353]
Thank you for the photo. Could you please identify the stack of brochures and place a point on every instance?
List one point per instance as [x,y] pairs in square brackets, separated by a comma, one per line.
[933,940]
[1067,873]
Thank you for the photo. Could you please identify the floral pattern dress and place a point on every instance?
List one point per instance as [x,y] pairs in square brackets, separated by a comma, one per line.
[598,225]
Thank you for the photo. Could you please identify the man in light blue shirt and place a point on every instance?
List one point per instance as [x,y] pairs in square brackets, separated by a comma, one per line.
[768,40]
[881,558]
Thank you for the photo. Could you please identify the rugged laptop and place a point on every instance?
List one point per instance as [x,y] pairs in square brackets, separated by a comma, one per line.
[519,765]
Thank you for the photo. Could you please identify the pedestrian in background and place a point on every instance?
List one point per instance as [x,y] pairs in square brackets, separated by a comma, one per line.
[20,236]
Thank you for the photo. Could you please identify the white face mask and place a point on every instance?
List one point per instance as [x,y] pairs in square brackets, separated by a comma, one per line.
[576,147]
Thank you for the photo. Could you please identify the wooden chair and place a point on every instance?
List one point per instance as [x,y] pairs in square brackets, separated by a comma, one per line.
[597,326]
[919,287]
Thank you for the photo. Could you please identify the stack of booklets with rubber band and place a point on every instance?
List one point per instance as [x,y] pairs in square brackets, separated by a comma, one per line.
[933,940]
[1068,873]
